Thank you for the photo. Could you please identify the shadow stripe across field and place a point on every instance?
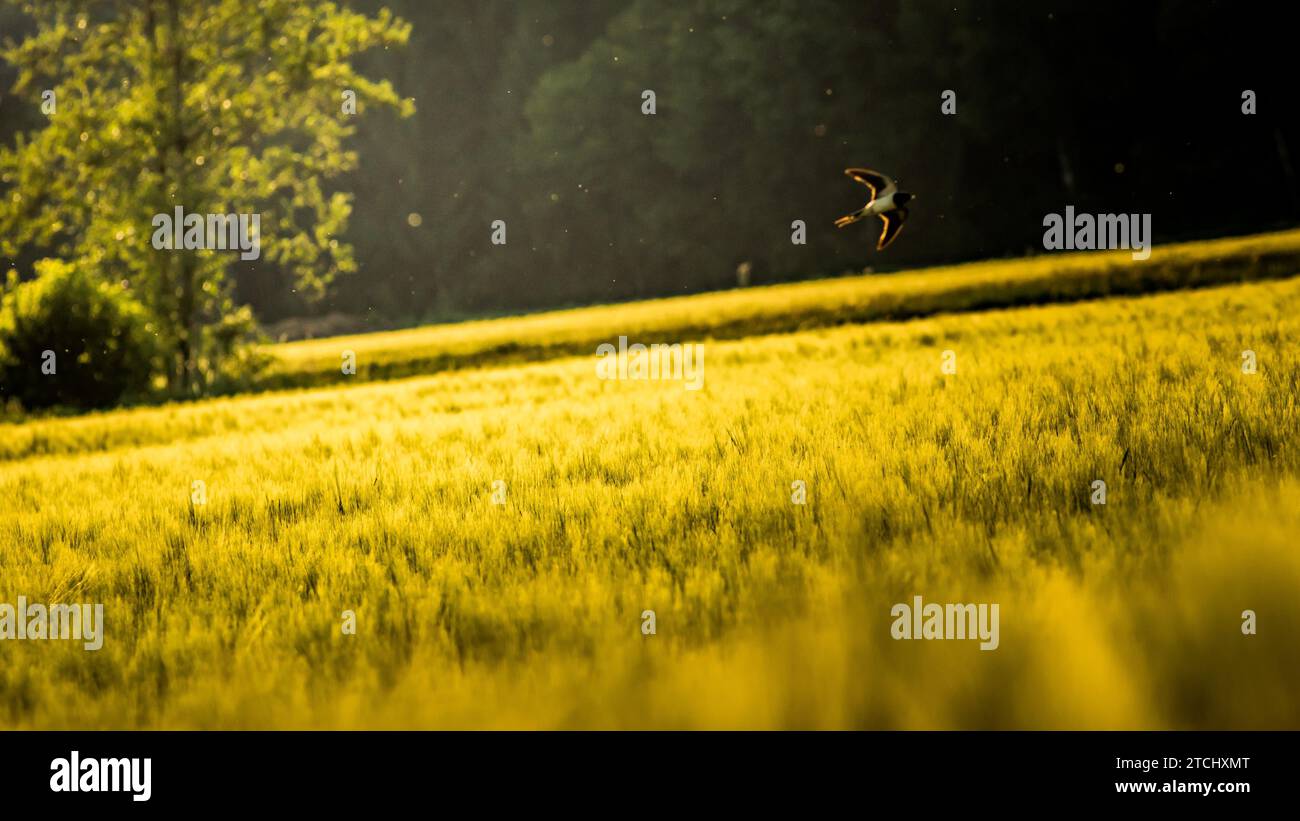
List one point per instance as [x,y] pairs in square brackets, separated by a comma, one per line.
[1039,280]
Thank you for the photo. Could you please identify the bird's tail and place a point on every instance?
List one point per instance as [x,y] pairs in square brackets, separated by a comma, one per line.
[849,219]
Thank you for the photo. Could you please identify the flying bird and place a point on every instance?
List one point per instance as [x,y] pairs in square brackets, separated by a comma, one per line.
[887,202]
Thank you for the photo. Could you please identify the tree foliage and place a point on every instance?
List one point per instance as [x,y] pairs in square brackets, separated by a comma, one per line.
[529,112]
[202,104]
[69,338]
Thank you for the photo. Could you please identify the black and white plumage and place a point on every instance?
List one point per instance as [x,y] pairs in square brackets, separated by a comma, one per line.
[887,202]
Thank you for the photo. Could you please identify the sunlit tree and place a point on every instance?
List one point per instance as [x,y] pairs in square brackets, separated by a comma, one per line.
[216,106]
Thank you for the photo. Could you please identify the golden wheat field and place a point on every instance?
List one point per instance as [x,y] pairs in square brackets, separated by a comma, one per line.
[626,496]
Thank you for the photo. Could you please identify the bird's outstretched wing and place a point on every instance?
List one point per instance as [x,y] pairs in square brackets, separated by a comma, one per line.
[893,224]
[880,185]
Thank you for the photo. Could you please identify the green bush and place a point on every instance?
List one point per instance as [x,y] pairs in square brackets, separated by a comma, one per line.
[70,339]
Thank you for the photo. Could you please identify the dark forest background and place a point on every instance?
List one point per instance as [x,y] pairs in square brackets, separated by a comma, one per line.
[529,111]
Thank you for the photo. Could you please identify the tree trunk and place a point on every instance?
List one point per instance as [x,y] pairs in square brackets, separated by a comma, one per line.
[186,336]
